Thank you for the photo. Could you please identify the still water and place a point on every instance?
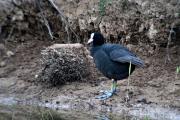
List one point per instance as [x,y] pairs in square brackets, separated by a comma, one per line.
[13,112]
[12,109]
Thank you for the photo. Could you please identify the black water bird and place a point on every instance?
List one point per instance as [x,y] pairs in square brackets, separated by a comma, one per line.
[115,61]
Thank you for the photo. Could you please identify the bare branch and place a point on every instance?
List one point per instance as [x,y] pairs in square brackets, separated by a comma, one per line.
[45,20]
[168,59]
[63,18]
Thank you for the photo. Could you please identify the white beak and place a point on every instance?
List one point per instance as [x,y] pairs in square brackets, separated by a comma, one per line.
[91,39]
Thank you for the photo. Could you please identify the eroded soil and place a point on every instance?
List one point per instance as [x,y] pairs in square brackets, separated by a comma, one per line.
[152,88]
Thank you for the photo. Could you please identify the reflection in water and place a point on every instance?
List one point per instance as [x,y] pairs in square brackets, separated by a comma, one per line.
[102,117]
[9,107]
[8,101]
[12,112]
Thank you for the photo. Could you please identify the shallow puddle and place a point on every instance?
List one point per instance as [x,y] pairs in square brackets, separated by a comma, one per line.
[14,109]
[14,112]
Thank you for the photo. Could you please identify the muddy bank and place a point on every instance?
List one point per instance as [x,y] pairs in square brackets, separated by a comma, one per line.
[80,109]
[154,89]
[36,113]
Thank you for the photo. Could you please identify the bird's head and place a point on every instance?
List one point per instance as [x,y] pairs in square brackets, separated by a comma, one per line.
[96,39]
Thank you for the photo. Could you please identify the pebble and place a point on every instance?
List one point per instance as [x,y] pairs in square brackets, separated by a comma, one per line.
[36,76]
[2,64]
[9,53]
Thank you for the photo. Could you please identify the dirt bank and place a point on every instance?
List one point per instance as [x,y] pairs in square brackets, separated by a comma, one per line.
[155,85]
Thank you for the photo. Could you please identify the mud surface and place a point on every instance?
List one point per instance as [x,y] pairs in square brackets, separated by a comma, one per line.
[155,86]
[154,90]
[36,113]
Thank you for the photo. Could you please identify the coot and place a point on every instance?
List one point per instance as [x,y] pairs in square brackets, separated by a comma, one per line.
[113,60]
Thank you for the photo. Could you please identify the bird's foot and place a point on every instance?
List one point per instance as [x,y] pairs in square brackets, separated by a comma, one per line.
[106,95]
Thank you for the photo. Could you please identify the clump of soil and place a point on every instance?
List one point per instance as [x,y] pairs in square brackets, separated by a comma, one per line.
[64,63]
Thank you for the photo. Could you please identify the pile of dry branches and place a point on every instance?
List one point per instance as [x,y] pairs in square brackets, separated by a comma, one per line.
[64,63]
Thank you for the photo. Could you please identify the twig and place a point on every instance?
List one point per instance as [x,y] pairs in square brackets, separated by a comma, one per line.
[34,95]
[127,96]
[12,115]
[168,59]
[177,71]
[68,34]
[45,20]
[10,34]
[63,18]
[51,115]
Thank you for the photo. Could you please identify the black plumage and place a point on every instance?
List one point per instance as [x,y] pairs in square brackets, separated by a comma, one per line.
[113,59]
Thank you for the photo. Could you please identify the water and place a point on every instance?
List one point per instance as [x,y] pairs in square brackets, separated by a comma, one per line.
[11,108]
[13,112]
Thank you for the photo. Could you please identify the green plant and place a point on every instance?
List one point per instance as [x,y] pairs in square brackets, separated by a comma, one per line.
[124,4]
[178,70]
[102,6]
[146,118]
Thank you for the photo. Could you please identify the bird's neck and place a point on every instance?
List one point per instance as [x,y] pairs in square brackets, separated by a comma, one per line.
[94,49]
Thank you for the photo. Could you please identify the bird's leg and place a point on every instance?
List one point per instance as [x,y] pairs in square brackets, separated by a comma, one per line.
[108,94]
[114,85]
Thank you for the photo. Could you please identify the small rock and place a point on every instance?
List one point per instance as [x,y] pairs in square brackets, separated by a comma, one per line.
[2,64]
[9,53]
[57,102]
[147,63]
[143,100]
[176,15]
[152,31]
[162,17]
[141,28]
[36,76]
[19,16]
[154,84]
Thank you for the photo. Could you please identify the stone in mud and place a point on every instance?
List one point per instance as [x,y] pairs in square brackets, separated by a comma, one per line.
[64,63]
[2,64]
[9,53]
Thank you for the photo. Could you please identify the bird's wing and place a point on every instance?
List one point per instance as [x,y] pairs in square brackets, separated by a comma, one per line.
[124,56]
